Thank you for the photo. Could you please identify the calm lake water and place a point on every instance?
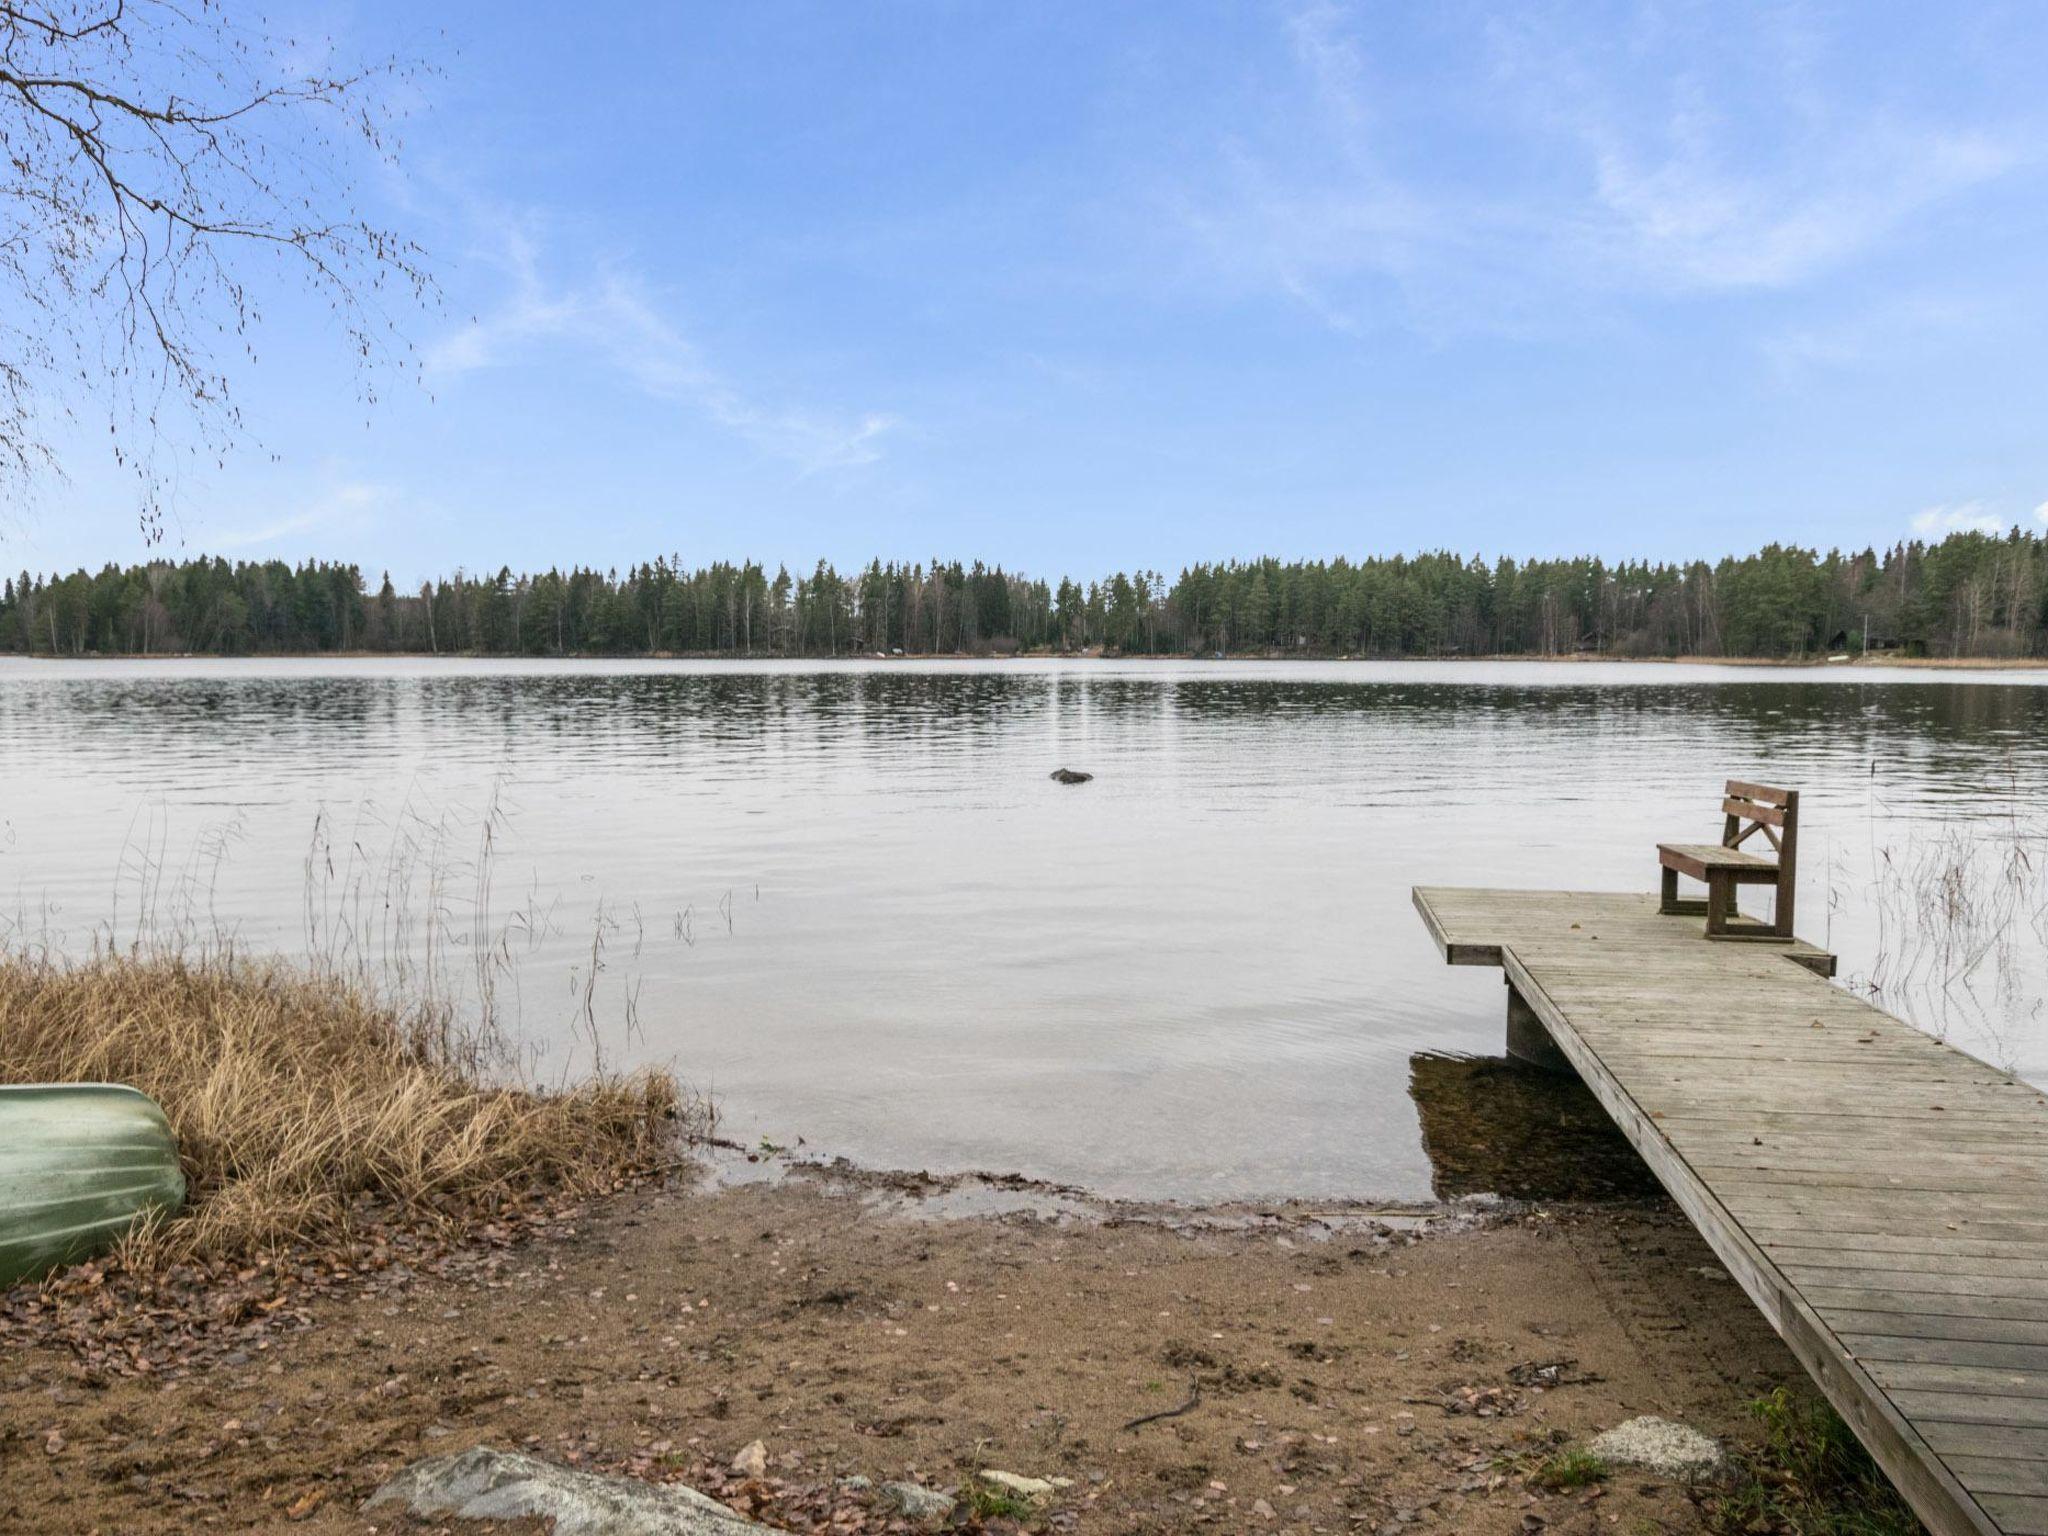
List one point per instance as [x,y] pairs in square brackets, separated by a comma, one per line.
[849,901]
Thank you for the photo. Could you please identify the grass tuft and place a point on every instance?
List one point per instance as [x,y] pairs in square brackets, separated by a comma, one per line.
[999,1503]
[300,1100]
[1811,1477]
[1568,1470]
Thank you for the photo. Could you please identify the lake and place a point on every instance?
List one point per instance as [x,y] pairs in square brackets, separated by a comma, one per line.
[849,901]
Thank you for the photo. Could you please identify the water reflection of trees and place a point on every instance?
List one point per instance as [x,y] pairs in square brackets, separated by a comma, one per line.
[1493,1126]
[1953,739]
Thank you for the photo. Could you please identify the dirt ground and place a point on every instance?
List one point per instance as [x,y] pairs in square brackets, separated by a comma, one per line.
[1347,1373]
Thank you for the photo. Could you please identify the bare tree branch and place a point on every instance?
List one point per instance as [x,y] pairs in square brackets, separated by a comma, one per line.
[161,164]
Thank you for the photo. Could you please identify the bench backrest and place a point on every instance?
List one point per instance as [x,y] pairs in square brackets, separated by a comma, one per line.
[1753,808]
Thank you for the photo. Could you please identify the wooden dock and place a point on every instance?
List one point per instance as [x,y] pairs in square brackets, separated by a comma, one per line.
[1882,1197]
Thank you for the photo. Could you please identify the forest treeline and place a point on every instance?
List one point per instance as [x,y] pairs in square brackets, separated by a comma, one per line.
[1971,594]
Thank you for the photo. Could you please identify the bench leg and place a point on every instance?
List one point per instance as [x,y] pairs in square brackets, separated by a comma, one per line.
[1671,904]
[1720,905]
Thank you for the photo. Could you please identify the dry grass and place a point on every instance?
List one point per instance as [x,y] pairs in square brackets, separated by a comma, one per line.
[303,1105]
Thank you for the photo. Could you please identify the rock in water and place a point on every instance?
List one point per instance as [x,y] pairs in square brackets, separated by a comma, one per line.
[1069,776]
[1659,1445]
[483,1484]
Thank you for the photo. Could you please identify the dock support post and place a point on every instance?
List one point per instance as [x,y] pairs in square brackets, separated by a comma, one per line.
[1528,1041]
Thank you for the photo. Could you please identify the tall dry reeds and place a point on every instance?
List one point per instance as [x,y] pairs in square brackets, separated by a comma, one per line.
[1961,912]
[304,1103]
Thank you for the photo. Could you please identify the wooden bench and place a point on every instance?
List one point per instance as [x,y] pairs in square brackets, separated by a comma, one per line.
[1726,865]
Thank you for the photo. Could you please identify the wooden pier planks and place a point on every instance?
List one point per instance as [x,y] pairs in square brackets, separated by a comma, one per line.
[1881,1196]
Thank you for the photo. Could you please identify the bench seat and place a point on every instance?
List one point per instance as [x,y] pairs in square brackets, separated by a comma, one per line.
[1739,864]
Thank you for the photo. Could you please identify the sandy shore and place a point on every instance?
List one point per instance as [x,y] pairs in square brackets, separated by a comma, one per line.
[1350,1370]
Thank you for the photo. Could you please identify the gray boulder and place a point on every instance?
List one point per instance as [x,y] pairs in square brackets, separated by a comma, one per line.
[483,1484]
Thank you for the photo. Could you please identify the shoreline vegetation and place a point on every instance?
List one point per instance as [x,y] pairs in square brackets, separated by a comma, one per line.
[310,1113]
[1970,596]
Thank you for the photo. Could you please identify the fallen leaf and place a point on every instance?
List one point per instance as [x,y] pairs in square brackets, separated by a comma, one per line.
[305,1503]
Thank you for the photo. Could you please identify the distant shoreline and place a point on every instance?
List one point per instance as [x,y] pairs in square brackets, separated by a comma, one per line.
[1808,663]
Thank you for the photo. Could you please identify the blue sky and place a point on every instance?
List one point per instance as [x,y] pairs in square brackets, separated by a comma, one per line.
[1075,286]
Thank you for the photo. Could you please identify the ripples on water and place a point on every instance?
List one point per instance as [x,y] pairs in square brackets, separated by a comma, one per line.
[850,901]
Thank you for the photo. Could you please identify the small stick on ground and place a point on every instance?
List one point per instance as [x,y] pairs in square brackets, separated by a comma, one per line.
[1194,1401]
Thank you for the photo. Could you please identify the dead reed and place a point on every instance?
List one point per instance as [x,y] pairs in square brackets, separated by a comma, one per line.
[1961,925]
[305,1105]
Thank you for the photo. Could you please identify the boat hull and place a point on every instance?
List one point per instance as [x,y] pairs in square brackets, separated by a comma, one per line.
[79,1163]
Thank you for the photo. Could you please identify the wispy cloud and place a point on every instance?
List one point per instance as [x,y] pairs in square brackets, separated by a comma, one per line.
[344,507]
[1548,172]
[1887,325]
[1960,517]
[1728,160]
[613,317]
[1684,218]
[1315,206]
[2041,513]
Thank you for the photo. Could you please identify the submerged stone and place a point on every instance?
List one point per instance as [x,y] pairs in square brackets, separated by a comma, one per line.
[483,1484]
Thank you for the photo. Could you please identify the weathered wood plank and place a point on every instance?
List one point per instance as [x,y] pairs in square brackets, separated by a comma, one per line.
[1748,810]
[1919,1283]
[1927,1207]
[1907,1326]
[1994,1475]
[1999,1352]
[2003,1443]
[2018,1516]
[1973,1408]
[1986,1381]
[1848,1298]
[1931,1171]
[2011,1138]
[1855,1256]
[1741,789]
[1909,1223]
[1850,1123]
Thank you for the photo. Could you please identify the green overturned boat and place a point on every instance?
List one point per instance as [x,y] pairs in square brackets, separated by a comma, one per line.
[79,1162]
